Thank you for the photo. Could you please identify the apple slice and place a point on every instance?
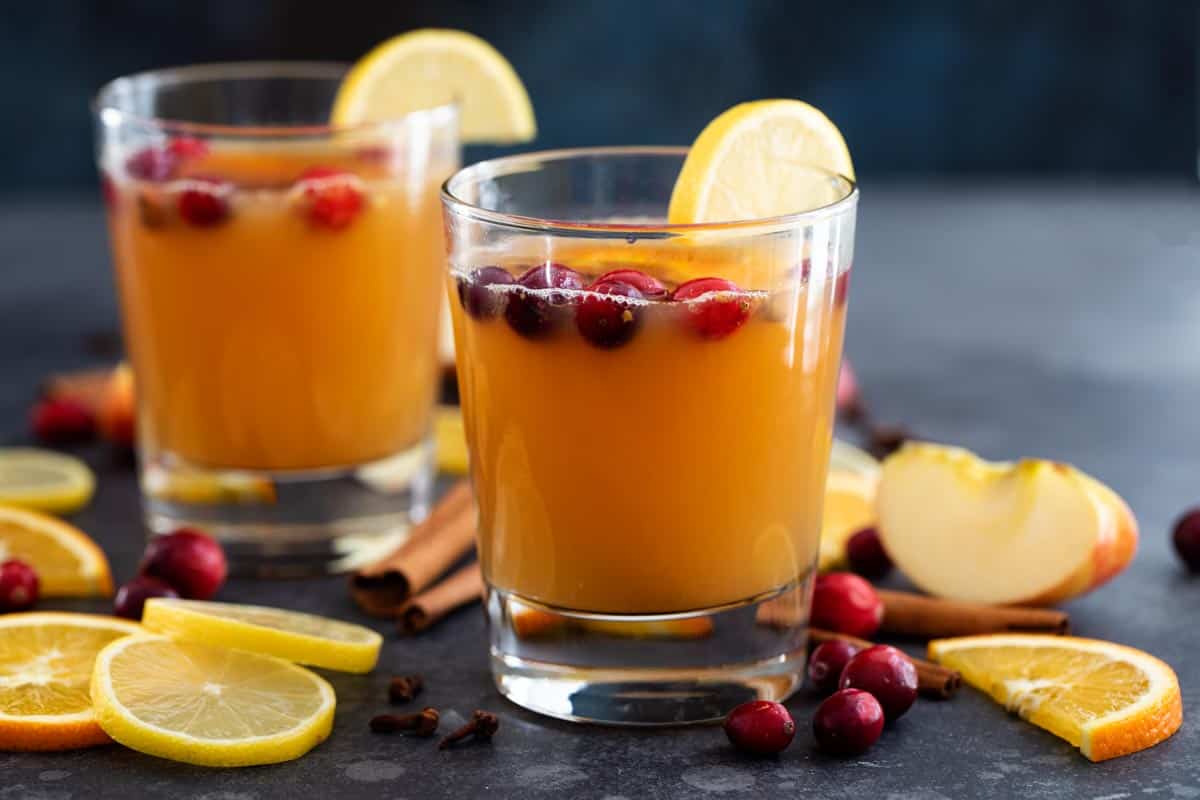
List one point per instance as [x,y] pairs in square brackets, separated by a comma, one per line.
[1032,533]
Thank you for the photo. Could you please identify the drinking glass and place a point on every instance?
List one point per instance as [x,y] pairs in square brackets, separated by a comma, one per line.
[649,464]
[280,281]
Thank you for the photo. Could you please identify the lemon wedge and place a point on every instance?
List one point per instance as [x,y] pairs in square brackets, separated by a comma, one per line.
[44,481]
[208,705]
[292,635]
[67,561]
[1106,699]
[428,68]
[762,159]
[46,663]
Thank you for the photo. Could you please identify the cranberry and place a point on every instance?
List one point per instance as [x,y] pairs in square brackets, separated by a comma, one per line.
[532,313]
[203,203]
[826,663]
[848,399]
[108,190]
[650,287]
[717,316]
[886,673]
[844,602]
[192,562]
[334,196]
[867,557]
[152,164]
[184,148]
[848,722]
[842,288]
[62,421]
[761,726]
[605,321]
[475,294]
[1187,539]
[18,586]
[131,598]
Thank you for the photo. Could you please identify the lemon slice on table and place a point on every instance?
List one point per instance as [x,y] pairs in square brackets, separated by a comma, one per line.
[451,438]
[428,68]
[292,635]
[1106,699]
[849,507]
[44,480]
[67,561]
[756,160]
[46,663]
[209,705]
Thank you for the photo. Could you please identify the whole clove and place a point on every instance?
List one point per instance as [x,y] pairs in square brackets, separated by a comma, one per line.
[483,726]
[418,723]
[403,688]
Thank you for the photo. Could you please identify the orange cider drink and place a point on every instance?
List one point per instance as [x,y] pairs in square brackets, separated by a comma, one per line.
[649,412]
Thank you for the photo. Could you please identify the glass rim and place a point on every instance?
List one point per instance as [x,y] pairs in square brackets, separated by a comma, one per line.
[107,111]
[509,164]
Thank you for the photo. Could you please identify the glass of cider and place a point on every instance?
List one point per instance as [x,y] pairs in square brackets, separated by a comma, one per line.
[280,281]
[649,410]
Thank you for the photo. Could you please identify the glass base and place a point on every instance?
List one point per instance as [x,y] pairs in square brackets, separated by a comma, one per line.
[649,670]
[293,523]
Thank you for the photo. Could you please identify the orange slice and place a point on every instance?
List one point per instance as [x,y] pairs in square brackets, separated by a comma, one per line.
[46,663]
[67,561]
[1106,699]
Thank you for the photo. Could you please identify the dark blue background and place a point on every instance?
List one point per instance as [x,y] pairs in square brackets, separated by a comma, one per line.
[926,87]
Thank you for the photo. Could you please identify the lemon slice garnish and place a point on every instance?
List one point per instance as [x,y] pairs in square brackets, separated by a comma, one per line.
[67,561]
[44,480]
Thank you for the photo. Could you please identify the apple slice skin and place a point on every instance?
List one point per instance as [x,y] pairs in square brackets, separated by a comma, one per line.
[1113,546]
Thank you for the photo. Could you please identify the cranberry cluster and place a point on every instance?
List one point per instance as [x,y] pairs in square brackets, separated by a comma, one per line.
[607,311]
[186,563]
[328,197]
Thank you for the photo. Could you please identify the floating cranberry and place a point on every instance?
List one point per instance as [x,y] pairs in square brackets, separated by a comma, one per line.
[761,726]
[131,598]
[826,663]
[842,288]
[151,164]
[185,148]
[108,190]
[476,295]
[203,202]
[533,313]
[604,320]
[1187,539]
[717,316]
[844,602]
[334,197]
[18,586]
[650,287]
[848,722]
[864,551]
[887,674]
[62,421]
[191,562]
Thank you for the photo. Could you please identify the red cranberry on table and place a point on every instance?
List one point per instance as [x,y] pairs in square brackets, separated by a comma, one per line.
[826,663]
[848,722]
[864,551]
[191,562]
[335,196]
[650,287]
[131,598]
[717,316]
[18,586]
[476,295]
[886,673]
[532,313]
[761,726]
[604,320]
[1187,539]
[204,202]
[846,603]
[62,421]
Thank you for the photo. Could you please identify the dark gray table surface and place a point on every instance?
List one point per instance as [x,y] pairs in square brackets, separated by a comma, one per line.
[1014,319]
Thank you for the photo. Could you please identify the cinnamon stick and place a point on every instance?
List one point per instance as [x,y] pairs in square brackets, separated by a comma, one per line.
[430,606]
[933,680]
[925,617]
[444,537]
